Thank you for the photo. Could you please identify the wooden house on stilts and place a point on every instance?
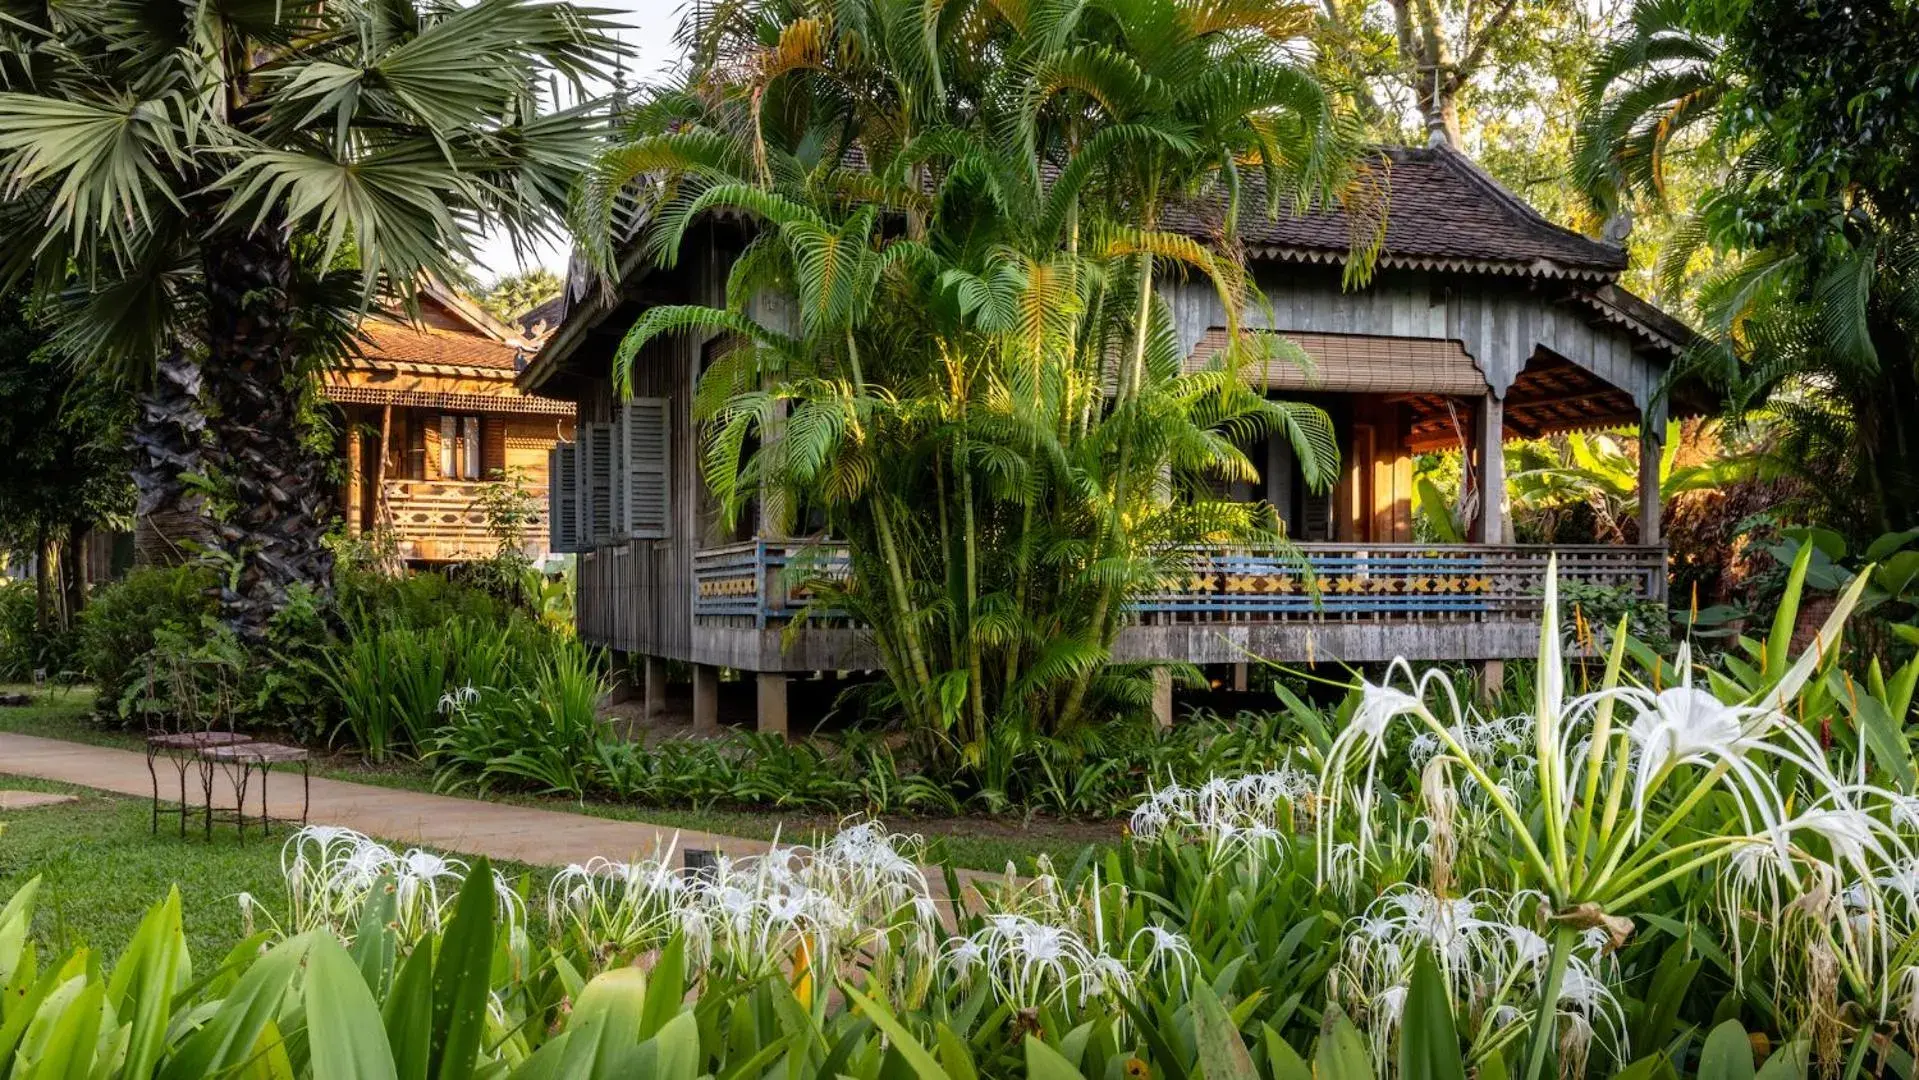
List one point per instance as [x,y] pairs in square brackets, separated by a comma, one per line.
[1484,322]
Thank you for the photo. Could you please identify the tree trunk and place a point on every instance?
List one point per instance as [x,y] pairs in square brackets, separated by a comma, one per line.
[73,573]
[169,433]
[275,503]
[42,580]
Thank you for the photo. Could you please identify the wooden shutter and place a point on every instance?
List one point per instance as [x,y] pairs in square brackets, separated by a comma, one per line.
[646,460]
[582,486]
[618,442]
[599,456]
[563,496]
[493,447]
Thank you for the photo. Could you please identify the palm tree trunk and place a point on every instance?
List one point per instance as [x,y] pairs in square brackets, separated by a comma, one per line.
[169,432]
[278,508]
[1128,388]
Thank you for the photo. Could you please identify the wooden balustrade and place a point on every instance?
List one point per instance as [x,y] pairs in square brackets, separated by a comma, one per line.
[766,581]
[445,520]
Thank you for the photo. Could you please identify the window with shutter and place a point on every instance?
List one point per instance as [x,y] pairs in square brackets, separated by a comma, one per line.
[563,496]
[618,442]
[598,451]
[582,494]
[493,447]
[449,445]
[647,456]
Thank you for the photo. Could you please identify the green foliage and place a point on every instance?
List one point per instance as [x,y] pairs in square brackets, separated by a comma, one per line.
[394,681]
[988,405]
[127,619]
[25,646]
[1810,218]
[523,738]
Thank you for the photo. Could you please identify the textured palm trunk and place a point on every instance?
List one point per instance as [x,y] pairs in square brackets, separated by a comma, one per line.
[274,506]
[169,435]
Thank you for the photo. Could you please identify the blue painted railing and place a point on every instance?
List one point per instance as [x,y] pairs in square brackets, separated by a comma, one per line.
[767,581]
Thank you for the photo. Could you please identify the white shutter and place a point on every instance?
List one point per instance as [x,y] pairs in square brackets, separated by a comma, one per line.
[598,470]
[646,460]
[563,497]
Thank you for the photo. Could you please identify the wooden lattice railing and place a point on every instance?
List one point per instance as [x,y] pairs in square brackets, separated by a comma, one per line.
[762,581]
[444,520]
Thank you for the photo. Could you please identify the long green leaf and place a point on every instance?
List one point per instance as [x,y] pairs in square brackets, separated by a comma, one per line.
[345,1036]
[1222,1053]
[1727,1054]
[462,973]
[1428,1040]
[232,1035]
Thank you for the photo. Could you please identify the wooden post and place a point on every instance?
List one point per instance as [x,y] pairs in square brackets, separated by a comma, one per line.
[1491,439]
[1492,676]
[620,686]
[1163,696]
[1239,677]
[355,478]
[706,698]
[380,509]
[1651,449]
[772,702]
[655,689]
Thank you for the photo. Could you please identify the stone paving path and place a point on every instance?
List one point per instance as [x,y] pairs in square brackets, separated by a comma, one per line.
[470,826]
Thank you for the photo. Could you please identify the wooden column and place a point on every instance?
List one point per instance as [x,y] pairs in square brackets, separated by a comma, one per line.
[1489,439]
[706,698]
[381,513]
[1651,449]
[772,702]
[655,689]
[1239,677]
[355,477]
[1163,696]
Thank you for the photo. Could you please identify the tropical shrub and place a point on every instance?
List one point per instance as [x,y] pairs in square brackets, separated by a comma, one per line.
[392,681]
[1670,871]
[126,618]
[26,647]
[546,733]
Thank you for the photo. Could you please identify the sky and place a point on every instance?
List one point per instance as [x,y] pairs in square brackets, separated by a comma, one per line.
[647,32]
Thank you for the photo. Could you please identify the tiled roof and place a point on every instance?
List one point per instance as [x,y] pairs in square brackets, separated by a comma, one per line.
[1442,212]
[385,339]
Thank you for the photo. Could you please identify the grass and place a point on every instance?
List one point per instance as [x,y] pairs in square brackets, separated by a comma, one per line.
[102,869]
[974,843]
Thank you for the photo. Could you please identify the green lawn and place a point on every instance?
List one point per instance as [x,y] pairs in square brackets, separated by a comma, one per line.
[102,869]
[974,843]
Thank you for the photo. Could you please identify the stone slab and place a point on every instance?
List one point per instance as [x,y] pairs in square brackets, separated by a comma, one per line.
[27,800]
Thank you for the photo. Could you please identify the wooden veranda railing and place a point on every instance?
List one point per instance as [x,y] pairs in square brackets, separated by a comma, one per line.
[445,521]
[766,581]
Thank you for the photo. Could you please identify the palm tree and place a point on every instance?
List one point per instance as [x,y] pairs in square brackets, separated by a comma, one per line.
[1811,310]
[978,387]
[231,183]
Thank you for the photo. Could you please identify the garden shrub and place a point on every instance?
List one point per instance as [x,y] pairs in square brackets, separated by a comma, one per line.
[123,620]
[545,732]
[25,648]
[393,682]
[417,599]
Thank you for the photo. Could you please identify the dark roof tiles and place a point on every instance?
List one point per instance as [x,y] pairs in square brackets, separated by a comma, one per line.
[1442,210]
